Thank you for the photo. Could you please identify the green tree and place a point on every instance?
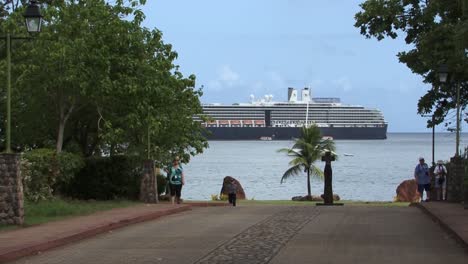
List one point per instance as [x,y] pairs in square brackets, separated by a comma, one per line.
[436,33]
[96,81]
[306,150]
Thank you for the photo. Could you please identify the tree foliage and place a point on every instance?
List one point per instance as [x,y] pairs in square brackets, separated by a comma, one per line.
[96,81]
[436,32]
[305,152]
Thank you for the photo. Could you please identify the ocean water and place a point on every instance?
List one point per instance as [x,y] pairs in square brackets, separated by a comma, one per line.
[372,173]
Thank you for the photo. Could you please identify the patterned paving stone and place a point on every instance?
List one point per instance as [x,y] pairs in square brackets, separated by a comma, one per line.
[261,242]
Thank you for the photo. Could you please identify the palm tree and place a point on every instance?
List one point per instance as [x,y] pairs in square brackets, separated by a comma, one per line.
[306,150]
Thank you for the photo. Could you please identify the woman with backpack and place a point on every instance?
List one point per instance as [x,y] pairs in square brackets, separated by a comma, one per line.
[176,180]
[440,173]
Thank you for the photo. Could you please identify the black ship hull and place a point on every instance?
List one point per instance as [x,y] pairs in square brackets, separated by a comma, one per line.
[288,133]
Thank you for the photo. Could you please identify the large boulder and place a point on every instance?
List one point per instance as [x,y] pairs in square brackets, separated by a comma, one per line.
[407,191]
[314,198]
[240,191]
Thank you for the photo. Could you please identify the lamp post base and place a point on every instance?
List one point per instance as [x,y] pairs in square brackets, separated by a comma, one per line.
[329,204]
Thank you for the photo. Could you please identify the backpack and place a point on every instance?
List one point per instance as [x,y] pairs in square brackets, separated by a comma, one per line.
[441,175]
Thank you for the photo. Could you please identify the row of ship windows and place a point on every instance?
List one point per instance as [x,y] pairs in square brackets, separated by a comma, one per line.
[291,112]
[283,123]
[286,108]
[302,118]
[327,121]
[337,121]
[296,114]
[331,115]
[327,117]
[334,125]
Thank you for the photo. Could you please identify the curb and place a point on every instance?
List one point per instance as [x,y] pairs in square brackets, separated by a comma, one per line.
[206,204]
[444,226]
[80,235]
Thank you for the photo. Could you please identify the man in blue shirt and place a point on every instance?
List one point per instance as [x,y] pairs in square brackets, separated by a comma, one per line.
[421,175]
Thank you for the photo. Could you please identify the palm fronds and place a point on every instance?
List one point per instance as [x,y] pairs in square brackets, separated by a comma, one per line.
[293,171]
[306,150]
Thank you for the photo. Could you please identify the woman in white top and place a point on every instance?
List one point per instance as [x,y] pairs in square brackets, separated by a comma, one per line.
[440,173]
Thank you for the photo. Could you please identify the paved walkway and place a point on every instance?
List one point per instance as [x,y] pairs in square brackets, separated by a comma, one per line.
[249,234]
[22,242]
[451,216]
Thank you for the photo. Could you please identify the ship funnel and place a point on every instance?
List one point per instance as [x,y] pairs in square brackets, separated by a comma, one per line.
[305,95]
[292,94]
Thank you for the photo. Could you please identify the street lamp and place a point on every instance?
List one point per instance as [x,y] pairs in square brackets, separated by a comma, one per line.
[443,76]
[443,73]
[33,19]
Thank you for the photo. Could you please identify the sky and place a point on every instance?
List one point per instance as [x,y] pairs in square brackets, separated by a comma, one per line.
[243,47]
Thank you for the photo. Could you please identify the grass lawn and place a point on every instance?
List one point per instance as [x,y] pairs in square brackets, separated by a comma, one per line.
[46,211]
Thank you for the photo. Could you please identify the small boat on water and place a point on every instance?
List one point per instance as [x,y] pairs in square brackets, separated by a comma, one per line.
[348,154]
[266,138]
[327,138]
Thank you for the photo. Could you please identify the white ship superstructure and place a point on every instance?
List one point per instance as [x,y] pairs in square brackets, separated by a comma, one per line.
[324,112]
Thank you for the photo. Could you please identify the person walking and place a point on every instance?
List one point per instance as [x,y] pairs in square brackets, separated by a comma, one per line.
[421,175]
[167,169]
[176,180]
[440,173]
[232,191]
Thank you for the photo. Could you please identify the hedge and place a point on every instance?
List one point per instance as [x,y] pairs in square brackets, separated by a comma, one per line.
[107,178]
[46,173]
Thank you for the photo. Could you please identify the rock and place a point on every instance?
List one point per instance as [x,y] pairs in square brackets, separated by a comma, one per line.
[301,198]
[240,195]
[407,191]
[336,197]
[313,198]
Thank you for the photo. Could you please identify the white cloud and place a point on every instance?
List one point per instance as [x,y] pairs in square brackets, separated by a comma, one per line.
[343,83]
[276,78]
[404,87]
[227,75]
[258,86]
[226,78]
[214,85]
[315,84]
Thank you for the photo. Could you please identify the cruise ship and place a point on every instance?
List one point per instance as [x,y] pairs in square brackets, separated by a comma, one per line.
[265,119]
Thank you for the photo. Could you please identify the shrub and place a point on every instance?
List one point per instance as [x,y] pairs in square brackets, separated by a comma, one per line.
[222,197]
[45,173]
[106,178]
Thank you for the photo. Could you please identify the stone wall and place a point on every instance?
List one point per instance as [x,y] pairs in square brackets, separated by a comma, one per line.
[11,190]
[455,175]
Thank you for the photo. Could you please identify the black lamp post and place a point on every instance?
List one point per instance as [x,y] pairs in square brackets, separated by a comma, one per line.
[33,19]
[443,77]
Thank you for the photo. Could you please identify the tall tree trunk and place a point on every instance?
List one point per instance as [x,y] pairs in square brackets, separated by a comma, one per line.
[63,117]
[61,130]
[309,193]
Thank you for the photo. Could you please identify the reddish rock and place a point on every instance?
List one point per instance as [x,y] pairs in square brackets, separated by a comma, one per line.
[240,195]
[407,191]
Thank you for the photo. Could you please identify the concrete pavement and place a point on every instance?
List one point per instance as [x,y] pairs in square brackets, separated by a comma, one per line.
[372,235]
[451,216]
[22,242]
[272,234]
